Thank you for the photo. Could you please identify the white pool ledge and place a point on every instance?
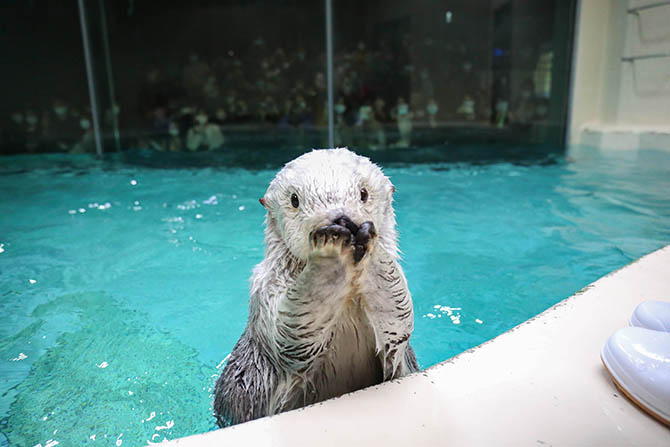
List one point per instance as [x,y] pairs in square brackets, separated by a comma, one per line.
[541,383]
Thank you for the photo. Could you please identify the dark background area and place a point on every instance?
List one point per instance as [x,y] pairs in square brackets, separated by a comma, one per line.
[502,42]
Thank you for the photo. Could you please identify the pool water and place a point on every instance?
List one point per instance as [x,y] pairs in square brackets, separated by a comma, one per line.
[122,288]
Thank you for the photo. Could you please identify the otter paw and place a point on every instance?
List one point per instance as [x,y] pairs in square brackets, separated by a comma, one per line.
[366,233]
[331,237]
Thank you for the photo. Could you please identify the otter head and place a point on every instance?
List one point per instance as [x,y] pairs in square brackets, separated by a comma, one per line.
[324,186]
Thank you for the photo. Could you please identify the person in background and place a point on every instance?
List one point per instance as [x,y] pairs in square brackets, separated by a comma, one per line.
[347,87]
[502,108]
[60,127]
[287,121]
[86,143]
[404,121]
[231,103]
[500,92]
[427,86]
[379,109]
[159,122]
[467,108]
[320,83]
[342,132]
[541,110]
[220,116]
[211,92]
[33,133]
[185,119]
[431,110]
[364,115]
[267,111]
[174,142]
[261,112]
[242,113]
[112,114]
[377,121]
[363,127]
[17,120]
[204,135]
[159,128]
[523,111]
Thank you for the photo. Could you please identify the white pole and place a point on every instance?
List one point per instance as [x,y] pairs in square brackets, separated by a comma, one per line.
[91,83]
[329,59]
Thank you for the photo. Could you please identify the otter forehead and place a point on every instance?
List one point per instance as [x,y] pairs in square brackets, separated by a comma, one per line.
[329,174]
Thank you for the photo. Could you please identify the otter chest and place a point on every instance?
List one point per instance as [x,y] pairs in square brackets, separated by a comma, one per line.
[350,362]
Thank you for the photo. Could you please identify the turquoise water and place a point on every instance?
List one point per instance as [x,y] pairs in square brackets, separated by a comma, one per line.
[122,288]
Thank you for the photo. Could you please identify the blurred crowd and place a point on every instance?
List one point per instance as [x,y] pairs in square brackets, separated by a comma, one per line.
[382,95]
[57,128]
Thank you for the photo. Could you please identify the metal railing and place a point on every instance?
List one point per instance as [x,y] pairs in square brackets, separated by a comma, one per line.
[649,6]
[644,56]
[636,11]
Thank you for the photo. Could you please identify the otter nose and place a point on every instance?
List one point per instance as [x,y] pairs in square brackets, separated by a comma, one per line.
[335,213]
[344,221]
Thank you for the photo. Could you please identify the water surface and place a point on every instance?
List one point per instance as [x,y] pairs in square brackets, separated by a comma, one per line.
[123,287]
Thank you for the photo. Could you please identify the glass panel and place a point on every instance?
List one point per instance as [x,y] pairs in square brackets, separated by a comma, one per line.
[206,77]
[446,76]
[45,105]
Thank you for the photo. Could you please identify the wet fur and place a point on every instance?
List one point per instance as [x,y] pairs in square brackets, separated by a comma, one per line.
[320,324]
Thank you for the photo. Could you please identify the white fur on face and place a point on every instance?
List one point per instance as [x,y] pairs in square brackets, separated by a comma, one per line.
[328,184]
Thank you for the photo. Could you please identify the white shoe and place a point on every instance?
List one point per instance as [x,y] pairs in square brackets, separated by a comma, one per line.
[652,315]
[638,359]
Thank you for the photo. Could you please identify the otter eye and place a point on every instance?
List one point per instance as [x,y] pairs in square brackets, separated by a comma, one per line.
[364,195]
[294,200]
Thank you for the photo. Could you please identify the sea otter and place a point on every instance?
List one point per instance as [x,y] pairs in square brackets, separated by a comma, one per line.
[329,308]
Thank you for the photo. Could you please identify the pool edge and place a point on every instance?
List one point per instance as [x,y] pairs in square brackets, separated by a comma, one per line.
[539,383]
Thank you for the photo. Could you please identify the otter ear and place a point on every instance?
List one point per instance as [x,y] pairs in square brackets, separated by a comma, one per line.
[392,189]
[263,202]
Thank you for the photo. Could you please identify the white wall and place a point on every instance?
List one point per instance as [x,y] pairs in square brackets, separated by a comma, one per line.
[616,104]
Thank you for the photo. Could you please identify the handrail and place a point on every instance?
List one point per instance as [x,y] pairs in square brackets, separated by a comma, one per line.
[644,56]
[649,6]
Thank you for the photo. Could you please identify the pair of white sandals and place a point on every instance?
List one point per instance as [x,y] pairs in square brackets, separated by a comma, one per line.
[638,359]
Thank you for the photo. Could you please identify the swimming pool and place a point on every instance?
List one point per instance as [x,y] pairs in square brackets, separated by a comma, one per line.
[123,287]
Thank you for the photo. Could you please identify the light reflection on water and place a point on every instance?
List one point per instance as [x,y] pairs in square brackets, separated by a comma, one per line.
[158,295]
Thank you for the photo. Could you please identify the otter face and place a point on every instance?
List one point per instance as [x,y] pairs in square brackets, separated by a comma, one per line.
[323,186]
